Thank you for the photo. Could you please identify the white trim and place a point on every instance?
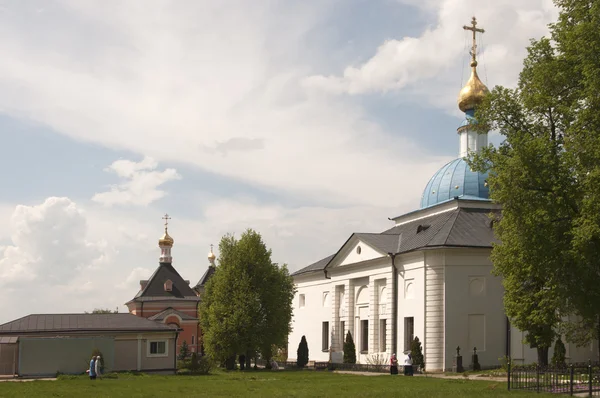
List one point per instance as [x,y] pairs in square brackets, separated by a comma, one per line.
[148,344]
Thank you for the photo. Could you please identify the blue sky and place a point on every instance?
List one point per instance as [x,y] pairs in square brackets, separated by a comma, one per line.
[305,120]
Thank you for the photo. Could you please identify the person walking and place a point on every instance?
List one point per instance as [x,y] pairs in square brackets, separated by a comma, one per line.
[408,365]
[92,370]
[393,365]
[98,367]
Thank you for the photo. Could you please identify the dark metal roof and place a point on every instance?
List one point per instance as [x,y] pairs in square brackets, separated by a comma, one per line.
[155,287]
[161,316]
[318,266]
[38,323]
[207,275]
[461,227]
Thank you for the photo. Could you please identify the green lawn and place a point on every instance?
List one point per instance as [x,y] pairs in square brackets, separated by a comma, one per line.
[260,384]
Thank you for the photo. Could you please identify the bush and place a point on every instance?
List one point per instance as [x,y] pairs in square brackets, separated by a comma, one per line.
[560,352]
[184,351]
[349,349]
[195,365]
[302,358]
[416,352]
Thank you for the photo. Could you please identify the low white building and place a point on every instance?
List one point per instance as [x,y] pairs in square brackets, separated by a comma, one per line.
[428,276]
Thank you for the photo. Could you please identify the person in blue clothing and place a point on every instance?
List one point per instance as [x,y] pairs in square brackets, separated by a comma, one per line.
[92,370]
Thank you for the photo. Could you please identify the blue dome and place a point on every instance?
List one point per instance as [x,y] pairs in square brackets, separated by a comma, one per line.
[455,179]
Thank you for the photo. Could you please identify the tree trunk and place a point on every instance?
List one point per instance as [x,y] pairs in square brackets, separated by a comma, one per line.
[542,356]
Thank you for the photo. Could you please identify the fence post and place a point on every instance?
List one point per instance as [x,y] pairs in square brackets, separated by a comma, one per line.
[590,377]
[537,377]
[508,373]
[572,374]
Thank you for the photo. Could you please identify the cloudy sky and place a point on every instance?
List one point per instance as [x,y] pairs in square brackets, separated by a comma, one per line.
[305,120]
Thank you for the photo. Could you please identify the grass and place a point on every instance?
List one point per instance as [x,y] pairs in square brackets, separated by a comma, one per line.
[259,384]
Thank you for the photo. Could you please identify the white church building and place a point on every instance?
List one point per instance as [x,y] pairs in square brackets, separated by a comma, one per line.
[429,275]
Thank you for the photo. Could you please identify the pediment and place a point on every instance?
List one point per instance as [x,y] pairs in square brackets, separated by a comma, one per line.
[355,250]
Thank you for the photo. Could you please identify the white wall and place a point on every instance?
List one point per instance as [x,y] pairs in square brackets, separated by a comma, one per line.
[474,313]
[411,303]
[307,321]
[358,252]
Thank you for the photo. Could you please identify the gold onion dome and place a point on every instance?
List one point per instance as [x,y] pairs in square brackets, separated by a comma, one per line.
[473,92]
[211,255]
[166,240]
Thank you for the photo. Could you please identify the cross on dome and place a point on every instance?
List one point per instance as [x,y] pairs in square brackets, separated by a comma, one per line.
[473,28]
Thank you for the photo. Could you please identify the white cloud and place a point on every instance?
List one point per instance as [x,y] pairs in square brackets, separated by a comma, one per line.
[426,65]
[141,187]
[49,243]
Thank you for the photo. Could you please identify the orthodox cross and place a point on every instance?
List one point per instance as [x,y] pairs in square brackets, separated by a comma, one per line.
[473,28]
[166,218]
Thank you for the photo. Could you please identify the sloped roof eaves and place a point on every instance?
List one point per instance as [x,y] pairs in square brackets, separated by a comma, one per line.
[205,278]
[155,285]
[40,323]
[171,311]
[314,267]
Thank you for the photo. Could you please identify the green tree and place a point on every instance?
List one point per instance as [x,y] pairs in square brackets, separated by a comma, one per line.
[546,174]
[349,349]
[302,353]
[530,175]
[416,352]
[560,352]
[103,311]
[184,351]
[247,304]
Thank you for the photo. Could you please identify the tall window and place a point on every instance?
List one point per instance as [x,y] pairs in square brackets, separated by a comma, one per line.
[325,337]
[364,335]
[302,300]
[343,330]
[409,332]
[193,340]
[382,335]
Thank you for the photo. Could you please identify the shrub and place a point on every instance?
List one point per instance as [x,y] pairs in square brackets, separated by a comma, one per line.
[416,352]
[504,362]
[349,349]
[205,365]
[302,358]
[184,351]
[560,352]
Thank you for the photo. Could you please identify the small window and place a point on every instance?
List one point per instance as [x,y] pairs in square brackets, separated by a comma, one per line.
[168,285]
[364,335]
[325,337]
[382,335]
[302,301]
[358,250]
[326,299]
[157,348]
[409,332]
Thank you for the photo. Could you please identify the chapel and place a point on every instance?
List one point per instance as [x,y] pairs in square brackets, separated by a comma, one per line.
[169,299]
[427,276]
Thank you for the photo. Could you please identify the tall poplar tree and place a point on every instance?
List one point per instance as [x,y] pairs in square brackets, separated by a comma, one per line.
[247,304]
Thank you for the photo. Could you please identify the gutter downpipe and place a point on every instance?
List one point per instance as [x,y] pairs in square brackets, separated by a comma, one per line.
[394,304]
[175,352]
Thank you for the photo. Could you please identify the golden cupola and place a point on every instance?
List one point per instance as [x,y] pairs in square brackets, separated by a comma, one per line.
[473,93]
[166,243]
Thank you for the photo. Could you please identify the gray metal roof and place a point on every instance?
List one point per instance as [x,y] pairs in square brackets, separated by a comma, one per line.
[161,316]
[206,277]
[461,227]
[8,339]
[38,323]
[155,286]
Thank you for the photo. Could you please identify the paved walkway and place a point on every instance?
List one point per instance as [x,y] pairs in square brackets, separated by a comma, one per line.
[436,375]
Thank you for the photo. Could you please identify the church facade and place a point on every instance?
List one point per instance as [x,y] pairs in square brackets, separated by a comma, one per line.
[169,299]
[428,276]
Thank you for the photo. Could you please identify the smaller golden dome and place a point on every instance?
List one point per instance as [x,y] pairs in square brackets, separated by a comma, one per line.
[473,92]
[166,240]
[211,255]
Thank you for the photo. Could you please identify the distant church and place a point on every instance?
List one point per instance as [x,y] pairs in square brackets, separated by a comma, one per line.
[167,298]
[428,276]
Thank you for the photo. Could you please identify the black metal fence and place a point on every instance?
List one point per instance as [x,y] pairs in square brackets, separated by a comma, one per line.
[575,379]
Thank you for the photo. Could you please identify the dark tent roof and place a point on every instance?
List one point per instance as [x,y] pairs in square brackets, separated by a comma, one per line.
[205,278]
[37,323]
[461,227]
[155,288]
